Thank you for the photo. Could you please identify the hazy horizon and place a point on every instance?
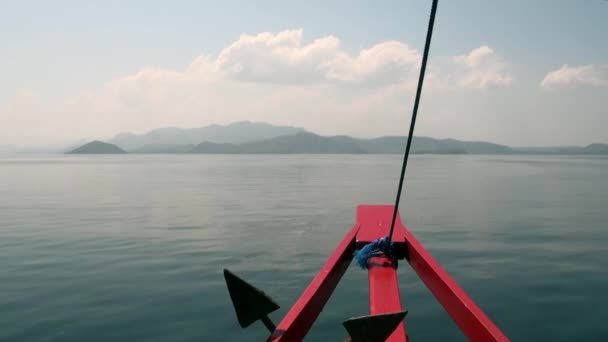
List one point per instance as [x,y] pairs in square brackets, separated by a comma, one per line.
[63,146]
[532,75]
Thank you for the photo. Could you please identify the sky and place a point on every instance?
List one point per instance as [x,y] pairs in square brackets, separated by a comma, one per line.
[520,73]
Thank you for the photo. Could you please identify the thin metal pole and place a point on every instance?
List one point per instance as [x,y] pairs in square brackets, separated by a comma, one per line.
[425,56]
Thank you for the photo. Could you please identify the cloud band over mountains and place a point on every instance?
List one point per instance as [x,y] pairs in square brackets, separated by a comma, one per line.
[281,78]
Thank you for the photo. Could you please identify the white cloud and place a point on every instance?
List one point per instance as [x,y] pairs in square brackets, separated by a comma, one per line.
[482,68]
[283,58]
[476,56]
[273,77]
[593,75]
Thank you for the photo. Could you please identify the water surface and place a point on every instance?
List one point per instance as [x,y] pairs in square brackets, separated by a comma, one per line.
[131,248]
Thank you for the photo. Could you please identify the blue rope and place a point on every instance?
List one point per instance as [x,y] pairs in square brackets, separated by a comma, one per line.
[379,247]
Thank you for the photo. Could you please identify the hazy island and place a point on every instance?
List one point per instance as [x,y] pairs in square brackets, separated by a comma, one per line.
[97,147]
[262,138]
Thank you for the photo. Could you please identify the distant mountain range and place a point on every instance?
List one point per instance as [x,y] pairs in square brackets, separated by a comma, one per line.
[251,137]
[305,142]
[236,133]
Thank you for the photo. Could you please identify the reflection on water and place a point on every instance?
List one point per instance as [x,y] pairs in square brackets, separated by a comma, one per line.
[127,248]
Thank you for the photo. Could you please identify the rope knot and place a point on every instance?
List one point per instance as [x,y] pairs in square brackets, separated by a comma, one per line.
[380,247]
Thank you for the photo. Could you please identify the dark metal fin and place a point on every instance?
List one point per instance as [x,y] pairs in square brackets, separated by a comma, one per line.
[251,304]
[373,328]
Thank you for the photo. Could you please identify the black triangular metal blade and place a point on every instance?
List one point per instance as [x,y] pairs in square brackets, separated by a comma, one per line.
[250,303]
[374,328]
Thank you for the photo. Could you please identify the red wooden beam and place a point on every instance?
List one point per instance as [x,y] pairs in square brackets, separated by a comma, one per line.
[300,318]
[384,295]
[473,322]
[375,222]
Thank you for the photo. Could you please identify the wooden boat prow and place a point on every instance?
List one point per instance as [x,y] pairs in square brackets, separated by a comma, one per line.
[373,222]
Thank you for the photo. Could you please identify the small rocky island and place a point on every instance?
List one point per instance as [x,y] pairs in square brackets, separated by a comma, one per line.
[97,147]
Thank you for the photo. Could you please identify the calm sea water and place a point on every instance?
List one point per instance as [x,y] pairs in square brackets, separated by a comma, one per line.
[131,248]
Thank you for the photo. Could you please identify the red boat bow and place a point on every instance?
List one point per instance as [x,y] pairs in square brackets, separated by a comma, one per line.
[373,222]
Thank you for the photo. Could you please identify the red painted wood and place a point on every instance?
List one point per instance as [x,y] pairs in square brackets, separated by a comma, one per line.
[375,222]
[384,293]
[300,318]
[473,322]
